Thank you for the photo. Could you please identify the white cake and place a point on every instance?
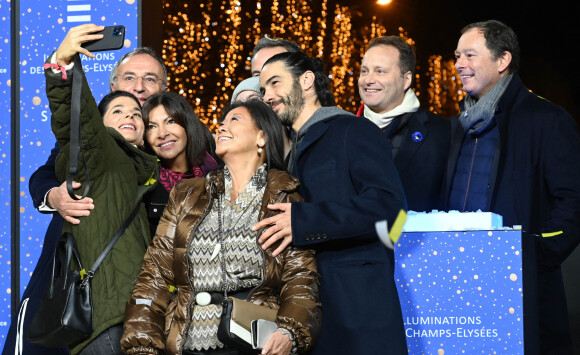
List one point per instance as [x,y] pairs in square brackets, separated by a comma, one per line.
[451,221]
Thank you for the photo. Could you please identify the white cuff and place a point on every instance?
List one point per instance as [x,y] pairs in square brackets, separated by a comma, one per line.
[383,232]
[44,207]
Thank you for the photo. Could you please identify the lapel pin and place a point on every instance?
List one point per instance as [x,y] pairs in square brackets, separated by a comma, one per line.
[417,136]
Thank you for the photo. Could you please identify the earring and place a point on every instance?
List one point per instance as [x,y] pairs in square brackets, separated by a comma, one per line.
[260,150]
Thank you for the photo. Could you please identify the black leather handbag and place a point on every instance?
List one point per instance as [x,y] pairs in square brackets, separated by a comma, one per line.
[65,315]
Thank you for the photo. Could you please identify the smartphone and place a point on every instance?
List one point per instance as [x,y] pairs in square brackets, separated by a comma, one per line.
[261,331]
[113,38]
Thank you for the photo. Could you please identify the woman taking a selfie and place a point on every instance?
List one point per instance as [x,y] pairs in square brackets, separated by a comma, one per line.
[205,245]
[120,174]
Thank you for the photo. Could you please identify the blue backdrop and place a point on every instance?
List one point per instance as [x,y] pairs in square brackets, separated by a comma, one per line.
[5,99]
[43,24]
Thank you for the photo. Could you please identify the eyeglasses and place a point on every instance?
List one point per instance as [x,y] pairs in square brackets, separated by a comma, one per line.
[149,80]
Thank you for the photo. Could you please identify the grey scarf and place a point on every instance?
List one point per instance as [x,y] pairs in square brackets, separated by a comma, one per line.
[478,114]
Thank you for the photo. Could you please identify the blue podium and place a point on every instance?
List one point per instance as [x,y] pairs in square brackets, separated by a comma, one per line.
[461,291]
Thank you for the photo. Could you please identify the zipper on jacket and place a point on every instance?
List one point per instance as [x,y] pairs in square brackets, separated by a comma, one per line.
[469,175]
[264,266]
[264,270]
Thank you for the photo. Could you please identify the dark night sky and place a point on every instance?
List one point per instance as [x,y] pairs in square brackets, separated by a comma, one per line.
[548,41]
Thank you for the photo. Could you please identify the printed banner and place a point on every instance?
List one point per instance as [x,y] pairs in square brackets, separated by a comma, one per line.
[5,136]
[461,292]
[43,25]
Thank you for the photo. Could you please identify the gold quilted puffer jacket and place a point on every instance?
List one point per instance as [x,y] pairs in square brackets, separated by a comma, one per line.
[291,282]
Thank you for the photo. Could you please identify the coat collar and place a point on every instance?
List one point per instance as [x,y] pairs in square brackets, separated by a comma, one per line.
[145,164]
[415,134]
[502,116]
[278,182]
[314,133]
[308,134]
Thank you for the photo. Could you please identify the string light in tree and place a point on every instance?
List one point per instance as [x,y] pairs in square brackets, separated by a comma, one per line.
[340,57]
[207,49]
[444,91]
[321,21]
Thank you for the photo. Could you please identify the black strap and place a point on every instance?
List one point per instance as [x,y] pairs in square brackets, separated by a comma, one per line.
[62,259]
[75,130]
[218,297]
[109,246]
[75,141]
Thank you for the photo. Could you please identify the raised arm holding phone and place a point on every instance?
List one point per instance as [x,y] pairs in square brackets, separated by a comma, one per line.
[119,171]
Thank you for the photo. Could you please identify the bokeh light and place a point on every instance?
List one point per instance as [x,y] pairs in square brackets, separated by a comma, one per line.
[207,50]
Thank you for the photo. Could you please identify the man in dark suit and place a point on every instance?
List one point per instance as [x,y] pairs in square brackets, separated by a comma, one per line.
[518,155]
[419,139]
[349,182]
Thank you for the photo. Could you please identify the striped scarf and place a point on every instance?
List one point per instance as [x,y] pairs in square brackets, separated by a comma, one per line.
[478,114]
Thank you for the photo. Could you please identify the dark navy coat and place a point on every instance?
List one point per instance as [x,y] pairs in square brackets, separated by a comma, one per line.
[349,181]
[421,158]
[535,183]
[41,181]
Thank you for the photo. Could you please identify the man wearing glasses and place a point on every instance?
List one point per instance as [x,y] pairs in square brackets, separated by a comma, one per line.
[139,72]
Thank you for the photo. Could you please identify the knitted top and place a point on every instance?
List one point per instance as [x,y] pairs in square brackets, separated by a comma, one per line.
[235,241]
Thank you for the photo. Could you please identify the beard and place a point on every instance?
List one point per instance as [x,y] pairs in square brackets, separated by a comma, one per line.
[293,105]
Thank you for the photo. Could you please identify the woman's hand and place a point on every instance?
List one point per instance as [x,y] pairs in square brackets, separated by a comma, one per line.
[71,44]
[278,344]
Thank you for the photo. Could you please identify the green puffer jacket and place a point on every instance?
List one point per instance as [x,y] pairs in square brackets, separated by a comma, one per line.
[120,174]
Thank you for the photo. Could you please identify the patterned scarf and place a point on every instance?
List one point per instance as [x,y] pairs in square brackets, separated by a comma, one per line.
[478,114]
[168,178]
